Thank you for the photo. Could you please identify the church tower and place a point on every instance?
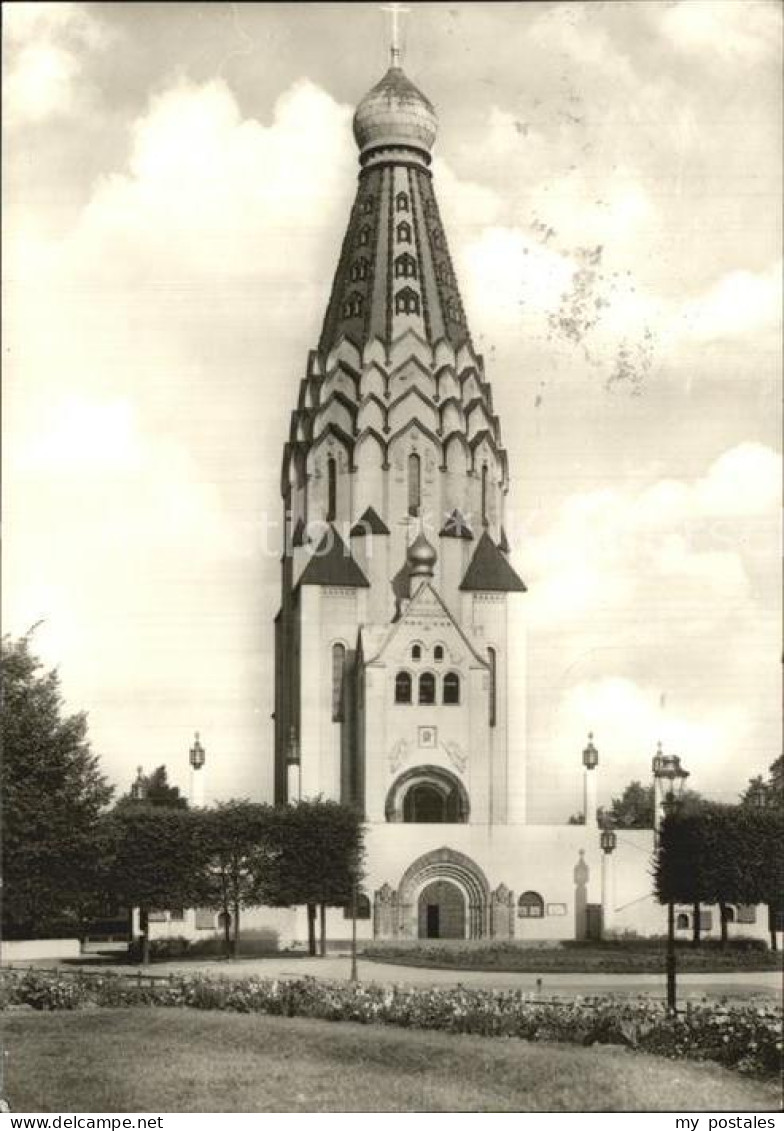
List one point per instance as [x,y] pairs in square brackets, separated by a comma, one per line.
[400,667]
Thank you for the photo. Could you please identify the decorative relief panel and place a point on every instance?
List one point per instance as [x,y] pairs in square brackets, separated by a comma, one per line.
[398,755]
[455,755]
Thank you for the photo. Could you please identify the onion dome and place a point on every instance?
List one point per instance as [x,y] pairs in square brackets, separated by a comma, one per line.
[421,557]
[394,112]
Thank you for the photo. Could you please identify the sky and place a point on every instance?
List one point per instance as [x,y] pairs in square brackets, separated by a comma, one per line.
[176,183]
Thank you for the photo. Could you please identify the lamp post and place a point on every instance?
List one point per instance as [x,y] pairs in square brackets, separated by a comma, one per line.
[354,977]
[197,756]
[669,780]
[608,841]
[293,767]
[590,761]
[139,787]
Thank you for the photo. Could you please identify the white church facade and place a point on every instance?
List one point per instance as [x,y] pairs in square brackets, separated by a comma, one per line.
[400,644]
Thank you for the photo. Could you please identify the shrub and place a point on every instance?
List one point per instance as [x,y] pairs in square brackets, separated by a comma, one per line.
[745,1037]
[176,947]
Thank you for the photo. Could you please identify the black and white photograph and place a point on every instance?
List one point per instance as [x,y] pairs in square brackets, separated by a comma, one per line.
[391,582]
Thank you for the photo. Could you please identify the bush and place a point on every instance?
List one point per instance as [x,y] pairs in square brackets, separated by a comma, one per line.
[176,947]
[745,1037]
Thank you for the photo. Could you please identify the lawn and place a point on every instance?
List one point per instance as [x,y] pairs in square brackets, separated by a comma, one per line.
[606,958]
[153,1060]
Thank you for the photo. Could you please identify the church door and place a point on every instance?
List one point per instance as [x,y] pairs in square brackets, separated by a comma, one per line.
[442,911]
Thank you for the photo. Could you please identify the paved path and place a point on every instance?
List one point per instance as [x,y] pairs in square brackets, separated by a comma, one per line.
[758,984]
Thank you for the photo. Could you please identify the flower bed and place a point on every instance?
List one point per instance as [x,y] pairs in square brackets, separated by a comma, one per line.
[642,956]
[744,1037]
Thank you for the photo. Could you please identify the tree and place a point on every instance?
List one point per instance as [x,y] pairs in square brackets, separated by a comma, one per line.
[235,839]
[576,819]
[53,792]
[155,790]
[315,858]
[770,793]
[634,809]
[156,859]
[721,854]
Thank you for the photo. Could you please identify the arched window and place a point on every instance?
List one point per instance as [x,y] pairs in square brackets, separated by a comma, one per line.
[452,309]
[405,266]
[427,688]
[438,652]
[530,905]
[492,689]
[729,913]
[338,666]
[427,795]
[404,232]
[359,269]
[364,235]
[438,238]
[414,484]
[352,307]
[416,652]
[401,202]
[682,922]
[367,204]
[402,687]
[407,301]
[451,688]
[484,494]
[442,272]
[332,489]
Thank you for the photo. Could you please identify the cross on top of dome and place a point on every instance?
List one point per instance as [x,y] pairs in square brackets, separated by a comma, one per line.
[395,112]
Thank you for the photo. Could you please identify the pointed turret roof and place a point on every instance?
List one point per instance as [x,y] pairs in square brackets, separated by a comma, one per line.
[395,272]
[371,522]
[332,564]
[489,570]
[456,526]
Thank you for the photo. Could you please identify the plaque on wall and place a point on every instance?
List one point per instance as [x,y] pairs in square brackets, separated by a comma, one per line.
[556,908]
[428,737]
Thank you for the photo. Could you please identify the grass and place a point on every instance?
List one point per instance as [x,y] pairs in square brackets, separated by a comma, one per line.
[617,958]
[147,1060]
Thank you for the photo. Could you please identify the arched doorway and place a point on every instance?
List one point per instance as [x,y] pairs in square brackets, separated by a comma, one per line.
[441,878]
[441,911]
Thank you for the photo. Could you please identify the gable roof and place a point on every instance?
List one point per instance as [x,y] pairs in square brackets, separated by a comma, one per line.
[428,602]
[489,570]
[332,564]
[370,523]
[456,526]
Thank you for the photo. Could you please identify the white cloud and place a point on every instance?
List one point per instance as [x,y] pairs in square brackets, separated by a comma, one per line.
[745,28]
[628,719]
[46,45]
[741,303]
[614,549]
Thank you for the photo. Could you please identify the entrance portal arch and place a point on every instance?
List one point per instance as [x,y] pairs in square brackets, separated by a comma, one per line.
[441,911]
[462,878]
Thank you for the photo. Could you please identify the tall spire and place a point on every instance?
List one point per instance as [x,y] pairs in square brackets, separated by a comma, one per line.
[395,10]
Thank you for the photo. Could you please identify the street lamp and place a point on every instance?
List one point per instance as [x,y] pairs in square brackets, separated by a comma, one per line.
[590,754]
[608,840]
[197,754]
[139,787]
[669,775]
[590,761]
[293,767]
[354,977]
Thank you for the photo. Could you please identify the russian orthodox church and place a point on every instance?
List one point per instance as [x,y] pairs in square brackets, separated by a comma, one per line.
[400,644]
[400,641]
